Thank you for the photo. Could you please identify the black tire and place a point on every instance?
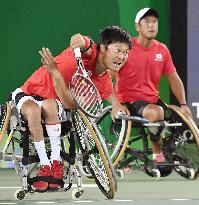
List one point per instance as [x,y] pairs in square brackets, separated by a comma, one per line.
[5,113]
[116,136]
[185,144]
[101,138]
[93,154]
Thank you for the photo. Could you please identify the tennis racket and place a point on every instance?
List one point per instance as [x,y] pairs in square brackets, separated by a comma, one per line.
[83,90]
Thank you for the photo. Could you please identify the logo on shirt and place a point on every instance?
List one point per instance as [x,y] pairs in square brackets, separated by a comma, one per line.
[158,57]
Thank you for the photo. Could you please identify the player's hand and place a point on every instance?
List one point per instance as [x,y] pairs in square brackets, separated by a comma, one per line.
[48,60]
[185,109]
[116,109]
[77,41]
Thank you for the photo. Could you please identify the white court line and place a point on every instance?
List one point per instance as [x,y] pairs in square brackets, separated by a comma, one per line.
[122,200]
[74,185]
[180,199]
[8,203]
[9,187]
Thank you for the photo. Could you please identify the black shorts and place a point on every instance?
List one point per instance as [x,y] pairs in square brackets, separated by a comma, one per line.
[137,107]
[22,94]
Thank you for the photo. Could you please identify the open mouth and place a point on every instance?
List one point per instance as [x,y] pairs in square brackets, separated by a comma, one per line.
[117,64]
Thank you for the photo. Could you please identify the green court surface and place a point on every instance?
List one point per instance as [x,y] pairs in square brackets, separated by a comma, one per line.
[135,188]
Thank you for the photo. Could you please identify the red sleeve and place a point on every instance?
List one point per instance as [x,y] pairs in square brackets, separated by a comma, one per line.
[168,66]
[89,60]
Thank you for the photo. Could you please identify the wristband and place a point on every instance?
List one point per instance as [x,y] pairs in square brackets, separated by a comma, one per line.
[183,104]
[89,43]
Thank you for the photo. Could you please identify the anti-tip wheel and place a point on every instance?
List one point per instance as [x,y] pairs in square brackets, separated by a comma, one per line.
[156,173]
[120,173]
[20,194]
[77,193]
[192,173]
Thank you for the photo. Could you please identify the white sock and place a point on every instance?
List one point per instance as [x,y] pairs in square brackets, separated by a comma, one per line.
[54,133]
[41,151]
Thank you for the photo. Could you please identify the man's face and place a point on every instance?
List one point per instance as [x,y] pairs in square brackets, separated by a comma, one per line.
[148,27]
[115,56]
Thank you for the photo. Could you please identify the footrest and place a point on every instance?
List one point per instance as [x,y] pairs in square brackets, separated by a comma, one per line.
[46,179]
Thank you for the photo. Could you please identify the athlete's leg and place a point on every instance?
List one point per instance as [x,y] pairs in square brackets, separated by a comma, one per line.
[155,113]
[50,112]
[32,114]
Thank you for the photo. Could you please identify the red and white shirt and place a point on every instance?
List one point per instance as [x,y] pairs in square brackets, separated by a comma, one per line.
[138,79]
[40,83]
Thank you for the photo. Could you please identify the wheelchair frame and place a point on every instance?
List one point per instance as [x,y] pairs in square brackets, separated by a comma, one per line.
[81,135]
[142,157]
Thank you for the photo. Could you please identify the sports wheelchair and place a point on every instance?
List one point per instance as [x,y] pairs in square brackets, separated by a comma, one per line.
[127,142]
[79,142]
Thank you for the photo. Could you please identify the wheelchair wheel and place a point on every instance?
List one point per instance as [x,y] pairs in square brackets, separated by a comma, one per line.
[116,136]
[5,113]
[100,137]
[185,148]
[82,165]
[93,154]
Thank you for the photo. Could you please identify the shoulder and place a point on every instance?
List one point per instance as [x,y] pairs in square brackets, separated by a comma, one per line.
[134,41]
[160,45]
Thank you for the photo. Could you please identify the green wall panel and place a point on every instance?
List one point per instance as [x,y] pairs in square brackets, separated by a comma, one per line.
[28,25]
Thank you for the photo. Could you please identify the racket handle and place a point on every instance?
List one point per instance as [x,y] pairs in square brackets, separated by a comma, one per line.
[77,53]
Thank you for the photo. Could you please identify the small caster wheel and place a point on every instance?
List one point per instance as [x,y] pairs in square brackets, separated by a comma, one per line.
[196,174]
[77,193]
[20,194]
[156,173]
[120,173]
[31,191]
[191,173]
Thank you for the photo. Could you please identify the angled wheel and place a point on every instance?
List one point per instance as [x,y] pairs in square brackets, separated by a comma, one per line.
[116,134]
[100,137]
[5,113]
[93,154]
[77,193]
[185,151]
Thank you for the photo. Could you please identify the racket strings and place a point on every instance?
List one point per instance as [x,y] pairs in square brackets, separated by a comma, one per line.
[86,95]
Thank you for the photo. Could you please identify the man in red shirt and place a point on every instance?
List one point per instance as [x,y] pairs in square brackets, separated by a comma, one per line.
[137,81]
[47,87]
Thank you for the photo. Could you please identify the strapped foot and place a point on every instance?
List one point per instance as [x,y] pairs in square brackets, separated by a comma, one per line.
[57,172]
[158,158]
[44,171]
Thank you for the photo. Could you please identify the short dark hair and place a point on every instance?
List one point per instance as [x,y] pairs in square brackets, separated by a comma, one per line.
[114,34]
[151,12]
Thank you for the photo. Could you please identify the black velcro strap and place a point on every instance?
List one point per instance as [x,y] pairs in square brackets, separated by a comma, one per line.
[46,179]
